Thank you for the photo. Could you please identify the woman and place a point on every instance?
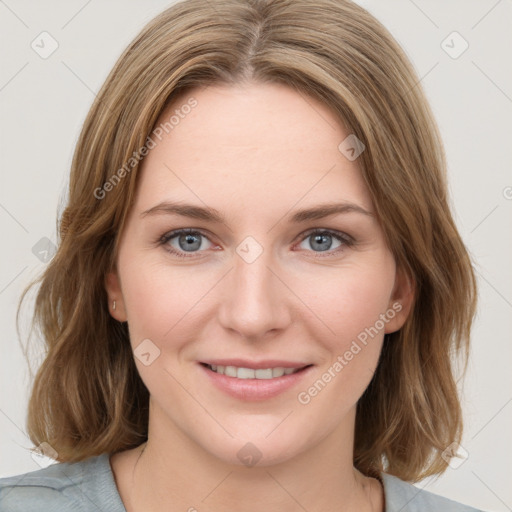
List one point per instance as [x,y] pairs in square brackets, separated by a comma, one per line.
[259,282]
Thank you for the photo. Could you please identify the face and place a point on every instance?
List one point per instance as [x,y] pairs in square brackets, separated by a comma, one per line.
[251,285]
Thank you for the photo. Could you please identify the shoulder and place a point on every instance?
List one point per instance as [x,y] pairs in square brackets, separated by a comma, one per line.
[405,497]
[63,487]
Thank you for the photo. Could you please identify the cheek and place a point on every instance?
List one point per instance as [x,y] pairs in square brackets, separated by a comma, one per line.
[160,302]
[352,300]
[156,295]
[351,304]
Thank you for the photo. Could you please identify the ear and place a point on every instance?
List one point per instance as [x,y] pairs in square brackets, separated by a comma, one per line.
[114,293]
[401,301]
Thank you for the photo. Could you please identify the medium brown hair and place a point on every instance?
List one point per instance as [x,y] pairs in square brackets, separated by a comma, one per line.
[87,396]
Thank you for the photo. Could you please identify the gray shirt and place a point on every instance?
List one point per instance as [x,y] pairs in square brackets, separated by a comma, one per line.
[89,486]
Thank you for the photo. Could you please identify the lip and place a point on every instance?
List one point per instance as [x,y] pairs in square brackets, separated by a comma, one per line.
[254,389]
[256,365]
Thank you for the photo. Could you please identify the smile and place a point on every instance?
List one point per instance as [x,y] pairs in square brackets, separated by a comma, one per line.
[255,384]
[249,373]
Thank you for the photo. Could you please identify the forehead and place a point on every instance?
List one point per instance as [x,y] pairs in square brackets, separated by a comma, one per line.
[260,142]
[263,115]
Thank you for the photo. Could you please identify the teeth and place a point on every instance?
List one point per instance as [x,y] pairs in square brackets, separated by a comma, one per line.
[279,372]
[249,373]
[242,373]
[263,373]
[230,371]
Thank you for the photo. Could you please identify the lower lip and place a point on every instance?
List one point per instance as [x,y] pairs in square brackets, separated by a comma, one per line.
[254,389]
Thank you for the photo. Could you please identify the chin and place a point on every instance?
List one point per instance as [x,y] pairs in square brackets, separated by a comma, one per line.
[258,452]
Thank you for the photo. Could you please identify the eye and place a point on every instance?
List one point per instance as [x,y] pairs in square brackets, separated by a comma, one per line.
[321,240]
[187,241]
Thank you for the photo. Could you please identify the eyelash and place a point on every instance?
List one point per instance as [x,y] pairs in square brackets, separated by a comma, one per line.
[345,239]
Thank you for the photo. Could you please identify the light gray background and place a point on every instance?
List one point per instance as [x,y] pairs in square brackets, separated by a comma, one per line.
[43,103]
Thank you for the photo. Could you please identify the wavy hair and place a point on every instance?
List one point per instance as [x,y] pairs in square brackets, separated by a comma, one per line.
[87,397]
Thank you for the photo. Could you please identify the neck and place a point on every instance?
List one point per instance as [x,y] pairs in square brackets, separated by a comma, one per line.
[172,472]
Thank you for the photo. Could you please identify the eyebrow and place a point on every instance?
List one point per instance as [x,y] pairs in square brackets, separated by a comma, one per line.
[213,215]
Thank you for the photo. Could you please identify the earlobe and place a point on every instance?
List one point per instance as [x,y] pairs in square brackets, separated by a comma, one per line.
[401,301]
[115,296]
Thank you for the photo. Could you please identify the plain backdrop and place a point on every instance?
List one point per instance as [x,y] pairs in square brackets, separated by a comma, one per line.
[43,102]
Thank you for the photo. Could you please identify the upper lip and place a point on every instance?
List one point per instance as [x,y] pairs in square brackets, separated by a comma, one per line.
[256,365]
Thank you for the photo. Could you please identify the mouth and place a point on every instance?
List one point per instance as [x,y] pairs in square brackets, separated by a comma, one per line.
[249,381]
[240,372]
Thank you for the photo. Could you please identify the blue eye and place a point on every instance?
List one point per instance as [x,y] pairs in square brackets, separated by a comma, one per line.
[322,241]
[188,240]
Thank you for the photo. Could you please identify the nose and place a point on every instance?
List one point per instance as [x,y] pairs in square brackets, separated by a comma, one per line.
[255,299]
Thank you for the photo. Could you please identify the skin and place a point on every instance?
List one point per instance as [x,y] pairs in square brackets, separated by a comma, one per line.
[256,153]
